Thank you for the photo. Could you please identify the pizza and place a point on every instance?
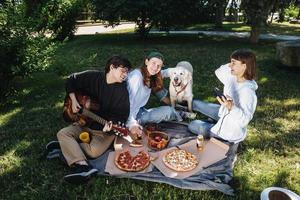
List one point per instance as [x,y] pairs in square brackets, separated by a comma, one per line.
[126,162]
[180,160]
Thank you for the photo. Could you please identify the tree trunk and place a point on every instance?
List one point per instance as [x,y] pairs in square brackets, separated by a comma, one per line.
[254,34]
[236,15]
[271,18]
[220,13]
[142,26]
[219,17]
[281,15]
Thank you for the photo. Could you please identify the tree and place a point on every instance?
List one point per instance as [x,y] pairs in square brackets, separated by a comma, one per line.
[220,6]
[23,50]
[149,13]
[257,14]
[55,16]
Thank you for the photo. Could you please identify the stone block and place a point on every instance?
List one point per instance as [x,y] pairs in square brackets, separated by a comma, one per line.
[289,53]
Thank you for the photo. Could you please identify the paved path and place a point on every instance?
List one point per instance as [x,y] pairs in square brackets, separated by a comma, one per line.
[234,34]
[94,29]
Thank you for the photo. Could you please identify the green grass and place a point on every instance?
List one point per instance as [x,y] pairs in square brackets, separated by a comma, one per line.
[274,28]
[270,155]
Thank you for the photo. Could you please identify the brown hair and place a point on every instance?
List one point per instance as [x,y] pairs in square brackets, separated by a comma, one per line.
[246,57]
[155,82]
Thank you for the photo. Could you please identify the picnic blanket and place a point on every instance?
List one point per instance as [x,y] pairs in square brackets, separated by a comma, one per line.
[213,177]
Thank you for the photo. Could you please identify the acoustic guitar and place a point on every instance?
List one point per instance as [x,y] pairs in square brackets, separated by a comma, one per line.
[84,116]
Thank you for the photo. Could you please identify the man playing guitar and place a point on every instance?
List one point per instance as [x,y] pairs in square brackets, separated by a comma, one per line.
[109,90]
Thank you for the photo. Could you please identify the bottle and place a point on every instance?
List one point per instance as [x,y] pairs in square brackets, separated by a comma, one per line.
[200,142]
[84,137]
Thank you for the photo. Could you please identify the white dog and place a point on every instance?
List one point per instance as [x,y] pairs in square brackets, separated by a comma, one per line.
[181,84]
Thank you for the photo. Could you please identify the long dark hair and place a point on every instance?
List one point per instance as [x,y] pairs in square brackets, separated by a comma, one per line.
[154,82]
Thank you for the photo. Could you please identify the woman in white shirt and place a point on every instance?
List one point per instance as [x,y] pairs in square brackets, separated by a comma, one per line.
[140,83]
[237,109]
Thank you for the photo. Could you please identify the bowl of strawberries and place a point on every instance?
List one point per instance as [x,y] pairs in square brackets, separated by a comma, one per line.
[158,140]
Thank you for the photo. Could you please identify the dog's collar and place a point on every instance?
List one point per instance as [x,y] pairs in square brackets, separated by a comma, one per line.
[181,89]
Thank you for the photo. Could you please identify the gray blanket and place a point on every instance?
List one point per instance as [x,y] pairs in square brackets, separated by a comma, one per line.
[213,177]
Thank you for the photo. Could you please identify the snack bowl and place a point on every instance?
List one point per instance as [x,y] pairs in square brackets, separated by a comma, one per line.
[150,128]
[158,140]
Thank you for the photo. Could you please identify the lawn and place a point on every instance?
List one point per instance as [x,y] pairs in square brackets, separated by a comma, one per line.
[31,117]
[274,28]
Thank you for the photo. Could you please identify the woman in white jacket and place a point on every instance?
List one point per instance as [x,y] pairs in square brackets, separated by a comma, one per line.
[237,109]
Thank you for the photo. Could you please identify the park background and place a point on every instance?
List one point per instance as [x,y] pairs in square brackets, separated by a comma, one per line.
[40,48]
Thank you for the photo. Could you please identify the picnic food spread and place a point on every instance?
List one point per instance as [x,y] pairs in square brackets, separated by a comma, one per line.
[126,162]
[158,140]
[180,160]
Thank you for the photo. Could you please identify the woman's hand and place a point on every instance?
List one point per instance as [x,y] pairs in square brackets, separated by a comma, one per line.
[75,105]
[136,132]
[226,102]
[107,127]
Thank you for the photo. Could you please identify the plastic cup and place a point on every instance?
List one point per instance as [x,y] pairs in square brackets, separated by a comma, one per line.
[84,137]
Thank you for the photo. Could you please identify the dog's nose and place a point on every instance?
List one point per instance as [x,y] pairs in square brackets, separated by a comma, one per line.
[176,79]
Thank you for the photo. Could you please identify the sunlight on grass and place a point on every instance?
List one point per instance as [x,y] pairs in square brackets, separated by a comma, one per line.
[59,105]
[262,172]
[240,27]
[4,119]
[283,115]
[10,160]
[128,30]
[292,101]
[290,121]
[210,99]
[286,102]
[26,91]
[287,124]
[263,80]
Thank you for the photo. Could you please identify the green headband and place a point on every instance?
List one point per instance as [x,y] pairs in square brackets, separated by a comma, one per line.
[155,54]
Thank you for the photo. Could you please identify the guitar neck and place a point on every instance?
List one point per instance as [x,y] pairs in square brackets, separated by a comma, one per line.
[93,116]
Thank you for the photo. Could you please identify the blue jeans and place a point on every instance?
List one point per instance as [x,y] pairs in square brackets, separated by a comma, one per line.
[157,115]
[161,93]
[200,127]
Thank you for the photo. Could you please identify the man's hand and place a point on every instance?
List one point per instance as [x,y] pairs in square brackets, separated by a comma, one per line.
[136,132]
[75,105]
[107,127]
[228,103]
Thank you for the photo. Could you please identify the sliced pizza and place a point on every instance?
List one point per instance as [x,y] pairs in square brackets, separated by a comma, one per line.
[180,160]
[126,162]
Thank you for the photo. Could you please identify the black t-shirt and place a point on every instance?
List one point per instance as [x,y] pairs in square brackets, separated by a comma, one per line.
[113,98]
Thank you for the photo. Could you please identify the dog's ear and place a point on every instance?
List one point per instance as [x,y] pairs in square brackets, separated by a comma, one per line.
[170,72]
[189,76]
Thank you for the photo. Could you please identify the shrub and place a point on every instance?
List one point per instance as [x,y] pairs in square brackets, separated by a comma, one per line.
[22,51]
[12,44]
[292,11]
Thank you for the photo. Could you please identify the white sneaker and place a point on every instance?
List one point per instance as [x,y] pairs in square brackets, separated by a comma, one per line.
[187,115]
